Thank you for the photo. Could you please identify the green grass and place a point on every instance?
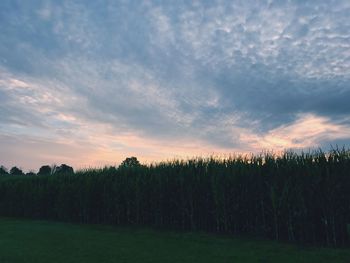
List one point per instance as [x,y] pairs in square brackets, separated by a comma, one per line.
[42,241]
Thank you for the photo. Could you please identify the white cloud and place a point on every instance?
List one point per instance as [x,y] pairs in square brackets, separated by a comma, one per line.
[308,131]
[163,79]
[270,36]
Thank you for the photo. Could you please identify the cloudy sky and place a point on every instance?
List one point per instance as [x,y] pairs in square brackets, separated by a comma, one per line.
[89,83]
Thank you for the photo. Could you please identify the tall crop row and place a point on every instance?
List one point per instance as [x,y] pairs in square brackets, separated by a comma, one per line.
[296,197]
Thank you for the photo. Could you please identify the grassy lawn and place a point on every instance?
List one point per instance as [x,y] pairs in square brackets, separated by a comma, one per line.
[41,241]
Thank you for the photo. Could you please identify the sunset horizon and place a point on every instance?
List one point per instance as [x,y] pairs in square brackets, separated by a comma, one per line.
[90,83]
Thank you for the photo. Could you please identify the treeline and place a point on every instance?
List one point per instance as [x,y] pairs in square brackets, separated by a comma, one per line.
[44,170]
[58,170]
[302,198]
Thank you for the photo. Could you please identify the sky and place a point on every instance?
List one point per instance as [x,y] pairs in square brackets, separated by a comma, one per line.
[89,83]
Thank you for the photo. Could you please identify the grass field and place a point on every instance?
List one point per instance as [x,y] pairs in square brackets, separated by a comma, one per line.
[42,241]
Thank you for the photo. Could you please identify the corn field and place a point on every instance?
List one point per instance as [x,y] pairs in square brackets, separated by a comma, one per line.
[302,198]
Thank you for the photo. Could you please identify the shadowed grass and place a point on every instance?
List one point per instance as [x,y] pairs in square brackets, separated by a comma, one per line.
[42,241]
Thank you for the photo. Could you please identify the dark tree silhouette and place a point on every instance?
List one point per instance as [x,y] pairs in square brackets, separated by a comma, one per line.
[3,170]
[130,162]
[63,169]
[45,170]
[30,174]
[16,171]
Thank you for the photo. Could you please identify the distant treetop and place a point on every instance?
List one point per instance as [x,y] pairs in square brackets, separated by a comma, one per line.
[63,169]
[3,170]
[45,170]
[16,171]
[130,162]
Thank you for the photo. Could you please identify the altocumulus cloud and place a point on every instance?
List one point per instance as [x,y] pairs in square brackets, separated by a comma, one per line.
[90,82]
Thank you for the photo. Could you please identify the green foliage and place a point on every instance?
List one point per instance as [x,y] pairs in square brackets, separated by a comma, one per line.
[129,163]
[41,242]
[3,170]
[301,198]
[45,170]
[63,169]
[16,171]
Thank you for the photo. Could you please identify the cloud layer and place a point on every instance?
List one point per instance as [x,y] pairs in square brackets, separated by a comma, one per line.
[89,83]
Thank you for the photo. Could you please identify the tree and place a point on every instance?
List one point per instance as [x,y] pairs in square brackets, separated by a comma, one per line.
[63,169]
[16,171]
[30,174]
[45,170]
[3,170]
[130,162]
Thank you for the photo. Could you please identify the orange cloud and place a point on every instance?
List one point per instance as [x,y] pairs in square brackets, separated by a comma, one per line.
[307,131]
